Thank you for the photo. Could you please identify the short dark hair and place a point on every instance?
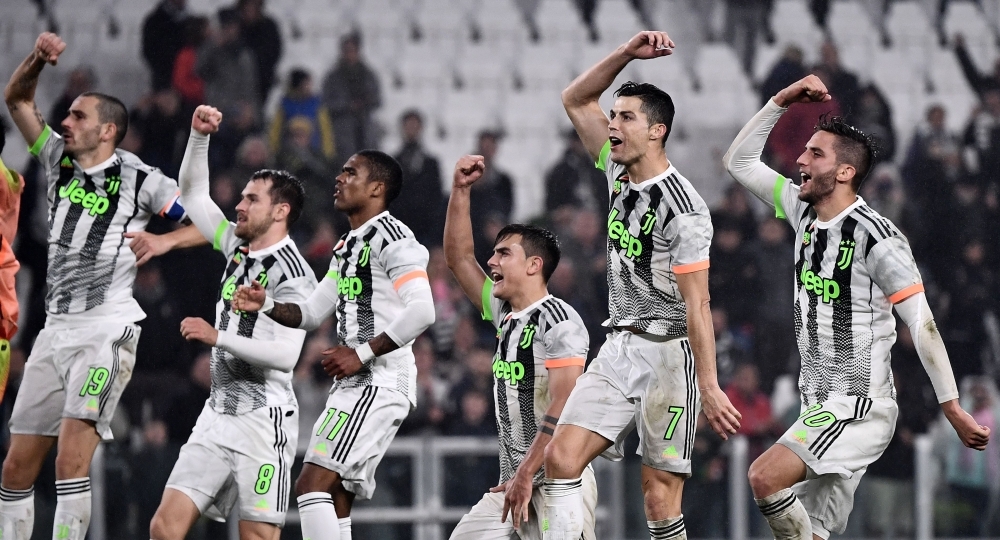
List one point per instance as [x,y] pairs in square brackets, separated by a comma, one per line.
[384,168]
[411,113]
[851,145]
[285,188]
[296,77]
[537,242]
[657,105]
[110,110]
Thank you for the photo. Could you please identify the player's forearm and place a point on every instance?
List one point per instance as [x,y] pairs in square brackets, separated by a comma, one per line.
[20,97]
[702,338]
[417,314]
[535,457]
[459,244]
[742,160]
[289,315]
[193,180]
[916,313]
[185,237]
[588,87]
[281,353]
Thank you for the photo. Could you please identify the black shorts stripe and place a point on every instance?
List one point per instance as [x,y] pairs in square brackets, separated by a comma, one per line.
[691,401]
[115,364]
[358,405]
[356,429]
[280,442]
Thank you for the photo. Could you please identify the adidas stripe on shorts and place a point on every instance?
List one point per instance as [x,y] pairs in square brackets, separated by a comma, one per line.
[242,459]
[354,431]
[837,439]
[75,372]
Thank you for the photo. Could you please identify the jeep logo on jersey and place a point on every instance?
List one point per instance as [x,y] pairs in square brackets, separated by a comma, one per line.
[228,288]
[349,286]
[846,253]
[512,372]
[618,231]
[820,286]
[96,204]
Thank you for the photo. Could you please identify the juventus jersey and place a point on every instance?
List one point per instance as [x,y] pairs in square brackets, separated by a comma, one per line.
[89,212]
[239,387]
[546,334]
[370,264]
[848,273]
[656,229]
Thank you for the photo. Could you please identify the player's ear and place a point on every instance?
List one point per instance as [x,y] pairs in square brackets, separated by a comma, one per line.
[534,265]
[109,131]
[846,172]
[281,211]
[657,131]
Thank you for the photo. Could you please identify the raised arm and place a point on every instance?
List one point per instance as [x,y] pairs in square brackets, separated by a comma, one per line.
[723,417]
[193,177]
[20,91]
[581,97]
[459,247]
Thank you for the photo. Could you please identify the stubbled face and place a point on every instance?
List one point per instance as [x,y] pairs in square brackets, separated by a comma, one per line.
[629,131]
[353,186]
[255,212]
[818,168]
[82,130]
[509,267]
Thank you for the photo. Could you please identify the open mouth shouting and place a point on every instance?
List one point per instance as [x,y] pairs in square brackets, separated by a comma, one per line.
[615,141]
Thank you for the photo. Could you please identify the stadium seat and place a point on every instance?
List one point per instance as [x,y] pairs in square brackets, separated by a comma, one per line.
[542,67]
[907,24]
[793,24]
[485,66]
[559,21]
[966,18]
[616,22]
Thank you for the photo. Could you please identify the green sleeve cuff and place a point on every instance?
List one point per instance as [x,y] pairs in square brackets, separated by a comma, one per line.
[219,231]
[332,274]
[40,142]
[779,185]
[487,297]
[602,158]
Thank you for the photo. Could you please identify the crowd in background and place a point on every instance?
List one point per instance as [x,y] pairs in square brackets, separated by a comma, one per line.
[941,188]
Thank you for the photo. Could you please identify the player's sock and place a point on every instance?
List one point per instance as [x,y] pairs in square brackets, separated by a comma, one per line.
[319,518]
[786,516]
[563,509]
[17,513]
[72,509]
[668,529]
[345,528]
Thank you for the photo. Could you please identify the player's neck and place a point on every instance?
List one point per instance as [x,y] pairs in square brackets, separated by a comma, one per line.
[94,157]
[832,206]
[528,295]
[274,234]
[649,166]
[364,215]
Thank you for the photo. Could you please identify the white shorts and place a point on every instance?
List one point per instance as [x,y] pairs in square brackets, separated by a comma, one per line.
[353,433]
[483,521]
[837,440]
[646,381]
[241,459]
[76,372]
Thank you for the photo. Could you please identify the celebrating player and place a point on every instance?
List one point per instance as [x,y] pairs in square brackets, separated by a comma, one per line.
[98,195]
[657,368]
[378,284]
[541,345]
[852,267]
[243,445]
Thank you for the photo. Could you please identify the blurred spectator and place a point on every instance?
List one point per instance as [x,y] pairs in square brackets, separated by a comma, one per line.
[573,183]
[450,305]
[351,92]
[789,68]
[733,279]
[842,84]
[161,349]
[476,374]
[474,418]
[730,348]
[226,194]
[982,138]
[757,423]
[587,9]
[973,476]
[299,157]
[565,283]
[185,76]
[775,349]
[432,392]
[980,82]
[883,191]
[745,19]
[934,161]
[874,118]
[970,287]
[229,70]
[794,129]
[735,206]
[584,248]
[421,202]
[252,156]
[163,128]
[260,33]
[81,79]
[301,101]
[162,38]
[820,9]
[492,198]
[704,503]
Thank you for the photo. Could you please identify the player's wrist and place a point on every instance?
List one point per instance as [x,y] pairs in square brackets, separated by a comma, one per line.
[267,306]
[951,409]
[365,353]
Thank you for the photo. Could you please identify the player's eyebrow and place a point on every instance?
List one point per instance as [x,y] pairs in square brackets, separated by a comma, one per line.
[349,170]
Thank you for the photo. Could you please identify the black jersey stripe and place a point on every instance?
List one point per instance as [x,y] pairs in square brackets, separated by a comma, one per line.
[365,310]
[57,264]
[526,386]
[676,193]
[876,221]
[555,311]
[344,256]
[680,187]
[65,177]
[880,218]
[558,305]
[819,240]
[87,259]
[500,391]
[843,311]
[390,229]
[289,265]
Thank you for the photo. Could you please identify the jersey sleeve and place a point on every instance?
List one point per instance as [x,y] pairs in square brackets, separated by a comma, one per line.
[611,169]
[566,344]
[492,305]
[48,149]
[161,196]
[785,200]
[224,239]
[404,260]
[295,290]
[689,237]
[893,269]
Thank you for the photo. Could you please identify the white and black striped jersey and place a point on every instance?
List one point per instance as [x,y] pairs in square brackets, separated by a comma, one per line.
[547,334]
[89,212]
[656,229]
[239,387]
[848,274]
[370,264]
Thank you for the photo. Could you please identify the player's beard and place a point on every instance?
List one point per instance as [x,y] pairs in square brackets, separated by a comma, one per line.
[820,187]
[249,230]
[83,141]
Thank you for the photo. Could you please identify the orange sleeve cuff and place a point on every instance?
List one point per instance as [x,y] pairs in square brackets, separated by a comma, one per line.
[163,211]
[693,267]
[564,362]
[906,293]
[416,274]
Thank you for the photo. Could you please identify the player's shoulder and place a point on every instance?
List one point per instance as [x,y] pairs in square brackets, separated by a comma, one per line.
[291,263]
[875,225]
[554,311]
[392,229]
[679,193]
[128,160]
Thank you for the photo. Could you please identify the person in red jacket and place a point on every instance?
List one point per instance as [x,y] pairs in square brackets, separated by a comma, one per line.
[11,185]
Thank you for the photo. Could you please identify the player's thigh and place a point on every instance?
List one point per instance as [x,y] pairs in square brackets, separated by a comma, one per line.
[571,449]
[97,364]
[353,433]
[667,403]
[24,460]
[264,452]
[257,530]
[174,517]
[776,469]
[204,468]
[483,521]
[41,396]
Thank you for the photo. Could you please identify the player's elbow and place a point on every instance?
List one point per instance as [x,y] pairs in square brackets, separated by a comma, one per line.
[423,315]
[571,99]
